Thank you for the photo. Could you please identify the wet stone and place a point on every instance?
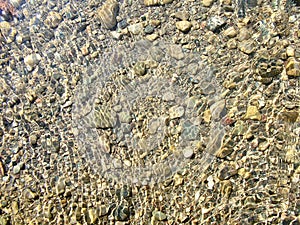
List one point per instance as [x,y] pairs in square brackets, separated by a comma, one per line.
[292,67]
[60,186]
[176,112]
[252,113]
[139,69]
[247,46]
[107,14]
[226,172]
[215,23]
[207,3]
[230,32]
[103,210]
[159,216]
[53,19]
[188,152]
[32,60]
[121,213]
[149,29]
[183,26]
[136,28]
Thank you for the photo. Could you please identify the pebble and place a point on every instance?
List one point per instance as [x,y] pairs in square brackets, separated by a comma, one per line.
[231,44]
[240,128]
[178,180]
[176,112]
[230,32]
[207,3]
[290,51]
[121,213]
[116,35]
[210,182]
[32,60]
[188,152]
[214,23]
[29,194]
[152,37]
[159,216]
[53,19]
[122,24]
[292,67]
[33,139]
[103,210]
[252,113]
[226,172]
[244,34]
[136,28]
[60,186]
[181,15]
[244,173]
[226,188]
[175,51]
[7,31]
[149,29]
[156,2]
[92,216]
[184,26]
[140,69]
[207,116]
[263,145]
[247,46]
[107,14]
[17,168]
[15,207]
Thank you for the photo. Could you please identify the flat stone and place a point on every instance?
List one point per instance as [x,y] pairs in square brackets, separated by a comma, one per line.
[136,28]
[252,113]
[183,26]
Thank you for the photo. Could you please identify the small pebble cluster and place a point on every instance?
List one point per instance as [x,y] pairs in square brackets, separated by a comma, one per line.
[57,47]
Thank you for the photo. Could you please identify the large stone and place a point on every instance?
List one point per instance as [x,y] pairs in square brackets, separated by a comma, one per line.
[183,26]
[292,67]
[252,113]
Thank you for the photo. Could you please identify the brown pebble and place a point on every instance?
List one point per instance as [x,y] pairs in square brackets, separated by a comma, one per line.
[292,67]
[107,14]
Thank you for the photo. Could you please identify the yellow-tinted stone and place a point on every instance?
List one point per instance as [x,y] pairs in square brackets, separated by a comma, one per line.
[292,67]
[252,113]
